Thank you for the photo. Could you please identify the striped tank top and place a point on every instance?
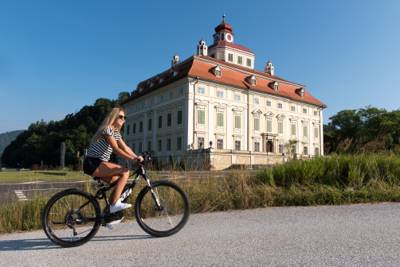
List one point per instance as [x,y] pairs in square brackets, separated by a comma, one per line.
[101,149]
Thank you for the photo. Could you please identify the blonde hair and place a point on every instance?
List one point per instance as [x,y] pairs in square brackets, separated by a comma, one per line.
[108,121]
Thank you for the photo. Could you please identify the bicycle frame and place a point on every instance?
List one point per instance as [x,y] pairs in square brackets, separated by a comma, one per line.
[140,172]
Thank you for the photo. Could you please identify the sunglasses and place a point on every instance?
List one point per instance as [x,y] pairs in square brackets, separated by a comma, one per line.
[122,117]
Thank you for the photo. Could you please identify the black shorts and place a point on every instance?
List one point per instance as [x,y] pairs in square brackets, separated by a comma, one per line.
[90,165]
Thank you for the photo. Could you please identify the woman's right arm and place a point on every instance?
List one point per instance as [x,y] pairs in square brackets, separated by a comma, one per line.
[113,143]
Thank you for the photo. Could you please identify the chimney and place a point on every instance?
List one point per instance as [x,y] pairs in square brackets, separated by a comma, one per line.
[269,68]
[202,48]
[175,60]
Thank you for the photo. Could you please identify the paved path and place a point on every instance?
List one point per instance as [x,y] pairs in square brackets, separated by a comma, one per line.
[355,235]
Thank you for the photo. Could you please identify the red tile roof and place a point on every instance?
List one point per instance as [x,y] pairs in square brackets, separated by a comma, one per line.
[232,75]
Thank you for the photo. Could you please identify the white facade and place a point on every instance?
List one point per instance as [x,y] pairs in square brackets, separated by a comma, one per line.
[234,125]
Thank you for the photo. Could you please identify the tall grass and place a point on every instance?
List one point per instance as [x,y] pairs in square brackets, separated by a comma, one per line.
[334,180]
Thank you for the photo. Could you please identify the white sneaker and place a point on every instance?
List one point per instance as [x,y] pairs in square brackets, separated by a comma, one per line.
[110,225]
[119,206]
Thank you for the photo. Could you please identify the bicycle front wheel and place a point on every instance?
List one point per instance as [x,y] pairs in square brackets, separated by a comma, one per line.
[163,209]
[71,218]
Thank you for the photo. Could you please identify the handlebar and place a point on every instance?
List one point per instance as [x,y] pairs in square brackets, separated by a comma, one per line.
[146,158]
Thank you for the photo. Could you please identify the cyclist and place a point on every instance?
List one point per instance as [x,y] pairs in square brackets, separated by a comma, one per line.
[107,140]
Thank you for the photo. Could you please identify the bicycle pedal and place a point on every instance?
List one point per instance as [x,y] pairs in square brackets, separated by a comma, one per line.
[113,217]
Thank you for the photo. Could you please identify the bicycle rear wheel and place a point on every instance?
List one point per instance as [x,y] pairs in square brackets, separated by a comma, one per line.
[166,217]
[71,218]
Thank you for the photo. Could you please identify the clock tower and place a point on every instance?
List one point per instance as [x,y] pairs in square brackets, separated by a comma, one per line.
[224,47]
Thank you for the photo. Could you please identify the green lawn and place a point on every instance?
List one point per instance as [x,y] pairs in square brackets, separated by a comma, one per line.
[32,176]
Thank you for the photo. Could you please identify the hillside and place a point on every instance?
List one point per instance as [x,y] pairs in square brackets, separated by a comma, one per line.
[7,138]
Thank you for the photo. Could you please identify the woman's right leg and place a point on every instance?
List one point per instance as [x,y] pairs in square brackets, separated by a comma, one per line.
[109,172]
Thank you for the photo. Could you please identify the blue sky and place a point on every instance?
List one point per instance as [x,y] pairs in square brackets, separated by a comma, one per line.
[57,56]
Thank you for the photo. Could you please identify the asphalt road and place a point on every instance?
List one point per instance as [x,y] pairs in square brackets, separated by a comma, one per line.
[355,235]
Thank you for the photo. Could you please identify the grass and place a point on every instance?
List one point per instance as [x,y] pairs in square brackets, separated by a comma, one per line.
[334,180]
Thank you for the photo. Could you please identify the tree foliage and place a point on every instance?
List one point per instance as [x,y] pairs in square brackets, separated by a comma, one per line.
[363,130]
[41,143]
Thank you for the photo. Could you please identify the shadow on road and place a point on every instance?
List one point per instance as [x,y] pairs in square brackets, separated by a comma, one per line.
[26,244]
[44,243]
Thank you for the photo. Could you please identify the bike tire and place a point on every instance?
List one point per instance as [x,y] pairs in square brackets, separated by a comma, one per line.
[180,199]
[58,199]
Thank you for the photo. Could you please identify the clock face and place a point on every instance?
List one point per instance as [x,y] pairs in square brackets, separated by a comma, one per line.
[229,37]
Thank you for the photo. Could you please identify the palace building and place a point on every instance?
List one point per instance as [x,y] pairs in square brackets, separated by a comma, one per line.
[215,110]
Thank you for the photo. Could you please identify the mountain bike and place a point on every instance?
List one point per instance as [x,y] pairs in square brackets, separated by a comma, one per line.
[72,217]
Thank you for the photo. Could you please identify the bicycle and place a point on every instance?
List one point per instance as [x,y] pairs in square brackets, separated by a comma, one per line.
[161,209]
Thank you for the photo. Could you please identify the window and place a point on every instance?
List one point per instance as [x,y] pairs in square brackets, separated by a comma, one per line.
[248,62]
[305,131]
[280,105]
[256,100]
[160,145]
[201,116]
[150,124]
[149,148]
[305,150]
[169,144]
[256,124]
[134,128]
[230,57]
[220,143]
[293,129]
[237,121]
[240,60]
[237,98]
[140,147]
[201,90]
[280,127]
[169,119]
[269,126]
[179,117]
[179,143]
[237,145]
[220,94]
[316,113]
[293,108]
[304,110]
[269,103]
[128,129]
[140,126]
[280,148]
[316,151]
[316,132]
[200,142]
[159,122]
[133,146]
[257,147]
[220,119]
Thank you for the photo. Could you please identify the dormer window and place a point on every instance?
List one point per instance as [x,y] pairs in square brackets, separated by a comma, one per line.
[252,80]
[274,85]
[300,91]
[217,71]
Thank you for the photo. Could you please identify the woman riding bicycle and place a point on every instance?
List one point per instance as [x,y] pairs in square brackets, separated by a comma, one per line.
[106,141]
